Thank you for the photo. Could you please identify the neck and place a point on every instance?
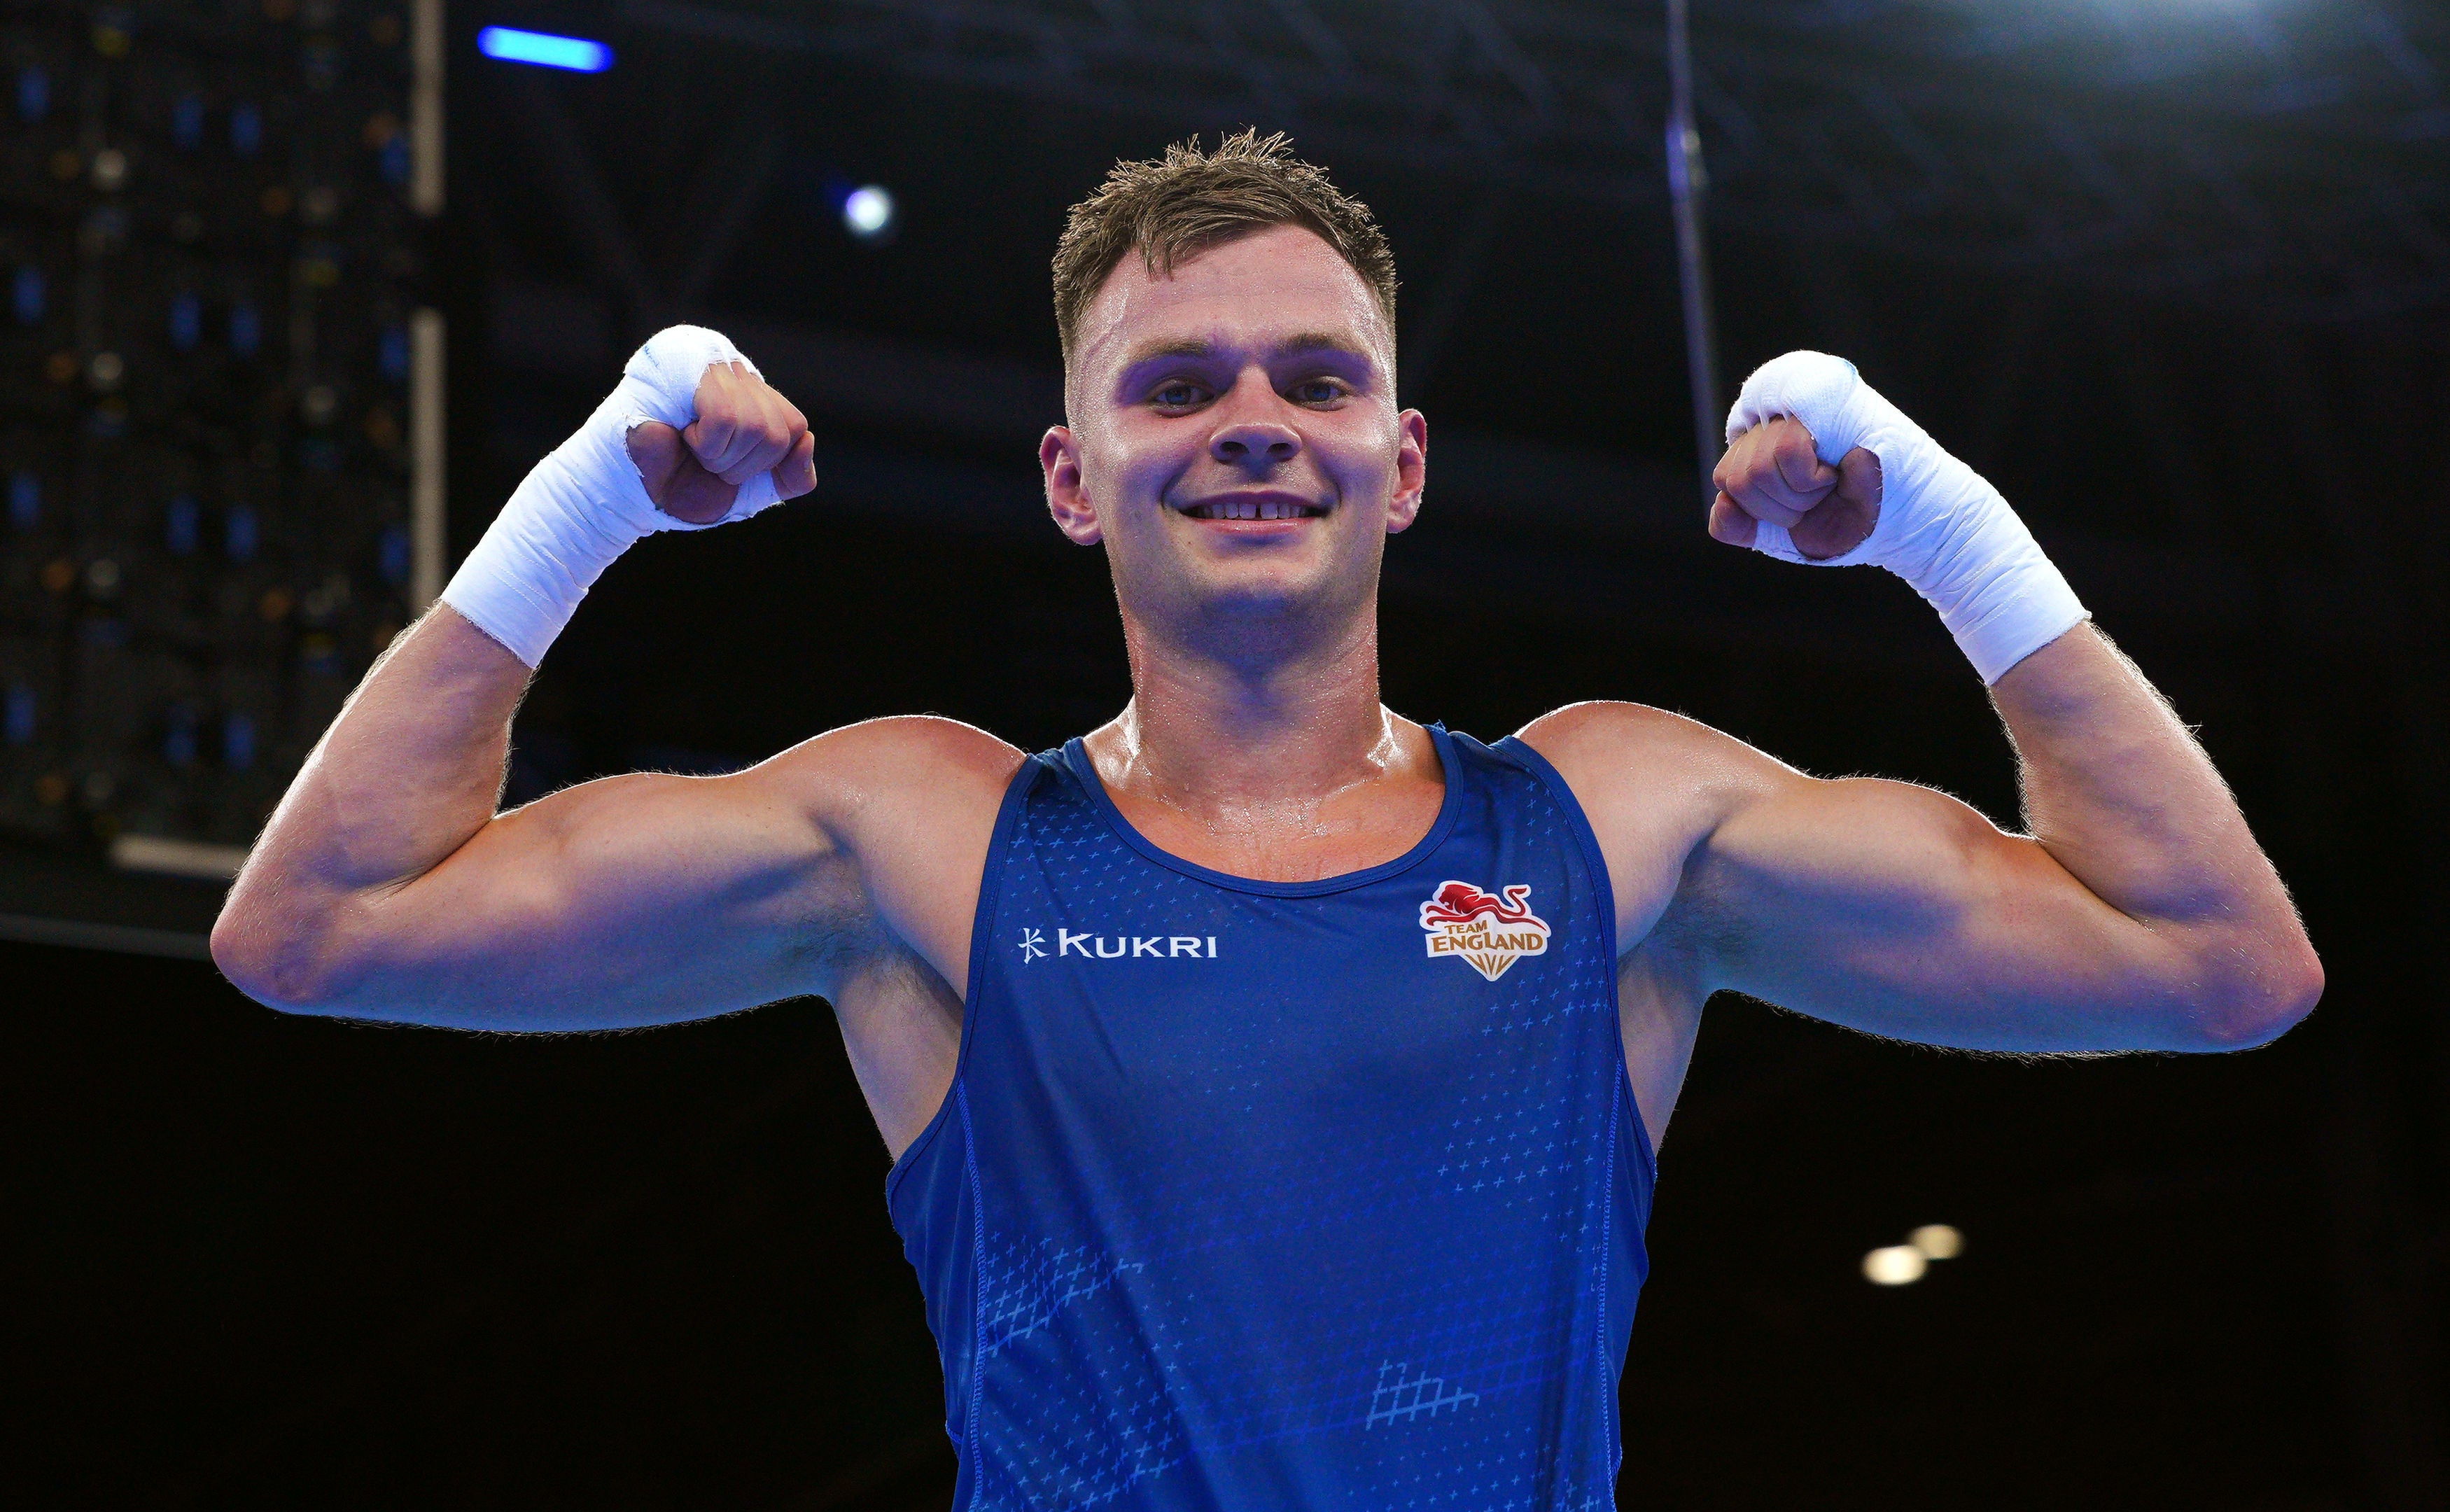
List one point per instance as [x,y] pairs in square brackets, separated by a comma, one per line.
[1231,716]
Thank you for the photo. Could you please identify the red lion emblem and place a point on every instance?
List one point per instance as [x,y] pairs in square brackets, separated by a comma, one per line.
[1461,902]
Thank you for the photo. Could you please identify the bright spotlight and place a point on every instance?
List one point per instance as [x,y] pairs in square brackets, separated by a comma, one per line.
[867,212]
[544,49]
[1894,1265]
[1937,1241]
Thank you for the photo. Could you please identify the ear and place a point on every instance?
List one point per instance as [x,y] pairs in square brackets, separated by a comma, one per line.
[1059,457]
[1411,470]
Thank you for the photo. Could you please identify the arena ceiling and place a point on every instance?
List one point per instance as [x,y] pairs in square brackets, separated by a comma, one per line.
[2286,151]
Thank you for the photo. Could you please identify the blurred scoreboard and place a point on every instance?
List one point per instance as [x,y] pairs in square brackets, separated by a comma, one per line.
[215,504]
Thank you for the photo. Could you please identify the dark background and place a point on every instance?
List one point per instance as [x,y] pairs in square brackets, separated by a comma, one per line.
[2173,279]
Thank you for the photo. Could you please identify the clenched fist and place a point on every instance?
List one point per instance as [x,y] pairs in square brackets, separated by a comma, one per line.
[1772,474]
[743,428]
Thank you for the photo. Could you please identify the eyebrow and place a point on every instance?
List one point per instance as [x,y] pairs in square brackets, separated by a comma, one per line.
[1170,347]
[1194,346]
[1323,342]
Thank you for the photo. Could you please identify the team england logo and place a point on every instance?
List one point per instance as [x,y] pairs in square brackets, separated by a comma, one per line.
[1490,930]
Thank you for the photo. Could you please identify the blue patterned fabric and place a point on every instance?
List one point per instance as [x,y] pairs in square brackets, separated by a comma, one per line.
[1261,1195]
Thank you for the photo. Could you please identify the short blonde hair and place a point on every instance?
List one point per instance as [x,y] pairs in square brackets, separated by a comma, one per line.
[1179,205]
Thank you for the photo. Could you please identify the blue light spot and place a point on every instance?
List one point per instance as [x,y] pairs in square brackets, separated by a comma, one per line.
[187,121]
[238,743]
[25,499]
[867,213]
[33,92]
[238,533]
[183,525]
[30,295]
[18,718]
[393,160]
[391,557]
[246,130]
[178,746]
[186,322]
[544,49]
[391,352]
[247,329]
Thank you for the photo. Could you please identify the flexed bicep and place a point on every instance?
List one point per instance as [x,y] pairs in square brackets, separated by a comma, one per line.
[648,899]
[626,901]
[1882,906]
[1900,910]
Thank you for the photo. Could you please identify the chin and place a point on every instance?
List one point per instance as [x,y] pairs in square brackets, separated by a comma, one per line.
[1272,590]
[1250,589]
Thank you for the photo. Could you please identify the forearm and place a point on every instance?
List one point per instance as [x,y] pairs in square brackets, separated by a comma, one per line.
[2120,795]
[412,768]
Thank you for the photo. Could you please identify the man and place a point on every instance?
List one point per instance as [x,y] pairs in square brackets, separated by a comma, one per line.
[1273,1080]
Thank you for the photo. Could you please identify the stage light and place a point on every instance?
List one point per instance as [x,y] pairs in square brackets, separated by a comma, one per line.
[544,49]
[1937,1241]
[1894,1265]
[867,212]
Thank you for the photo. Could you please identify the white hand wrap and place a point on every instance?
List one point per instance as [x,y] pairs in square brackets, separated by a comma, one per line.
[1942,527]
[585,503]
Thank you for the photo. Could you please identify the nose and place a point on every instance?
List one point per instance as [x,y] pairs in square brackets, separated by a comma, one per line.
[1254,442]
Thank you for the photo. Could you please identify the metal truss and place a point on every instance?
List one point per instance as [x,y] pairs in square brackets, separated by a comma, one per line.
[2292,152]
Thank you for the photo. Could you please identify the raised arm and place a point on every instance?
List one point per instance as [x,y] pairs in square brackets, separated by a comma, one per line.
[2138,914]
[387,887]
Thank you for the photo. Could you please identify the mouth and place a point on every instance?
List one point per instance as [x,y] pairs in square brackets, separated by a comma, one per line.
[1254,507]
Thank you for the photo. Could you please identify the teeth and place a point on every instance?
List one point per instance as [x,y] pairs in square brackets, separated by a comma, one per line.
[1249,510]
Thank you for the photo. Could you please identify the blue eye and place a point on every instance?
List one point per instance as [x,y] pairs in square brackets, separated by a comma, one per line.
[1174,396]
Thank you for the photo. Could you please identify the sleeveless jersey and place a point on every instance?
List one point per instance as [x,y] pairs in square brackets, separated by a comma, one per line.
[1321,1194]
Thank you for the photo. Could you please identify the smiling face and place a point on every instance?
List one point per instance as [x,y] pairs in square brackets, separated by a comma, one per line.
[1235,442]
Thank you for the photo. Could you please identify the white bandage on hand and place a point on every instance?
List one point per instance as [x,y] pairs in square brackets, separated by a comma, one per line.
[585,503]
[1942,527]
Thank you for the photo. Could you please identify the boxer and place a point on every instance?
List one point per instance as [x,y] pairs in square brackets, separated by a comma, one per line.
[1273,1081]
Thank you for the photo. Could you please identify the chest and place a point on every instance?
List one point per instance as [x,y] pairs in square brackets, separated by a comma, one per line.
[1138,996]
[1292,841]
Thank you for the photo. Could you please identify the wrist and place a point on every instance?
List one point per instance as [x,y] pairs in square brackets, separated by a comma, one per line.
[584,504]
[1942,527]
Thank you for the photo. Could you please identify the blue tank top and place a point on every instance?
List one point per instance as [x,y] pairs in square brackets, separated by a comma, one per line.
[1251,1194]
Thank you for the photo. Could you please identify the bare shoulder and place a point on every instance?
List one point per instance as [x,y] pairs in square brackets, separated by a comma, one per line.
[1609,751]
[895,770]
[911,802]
[896,792]
[1654,784]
